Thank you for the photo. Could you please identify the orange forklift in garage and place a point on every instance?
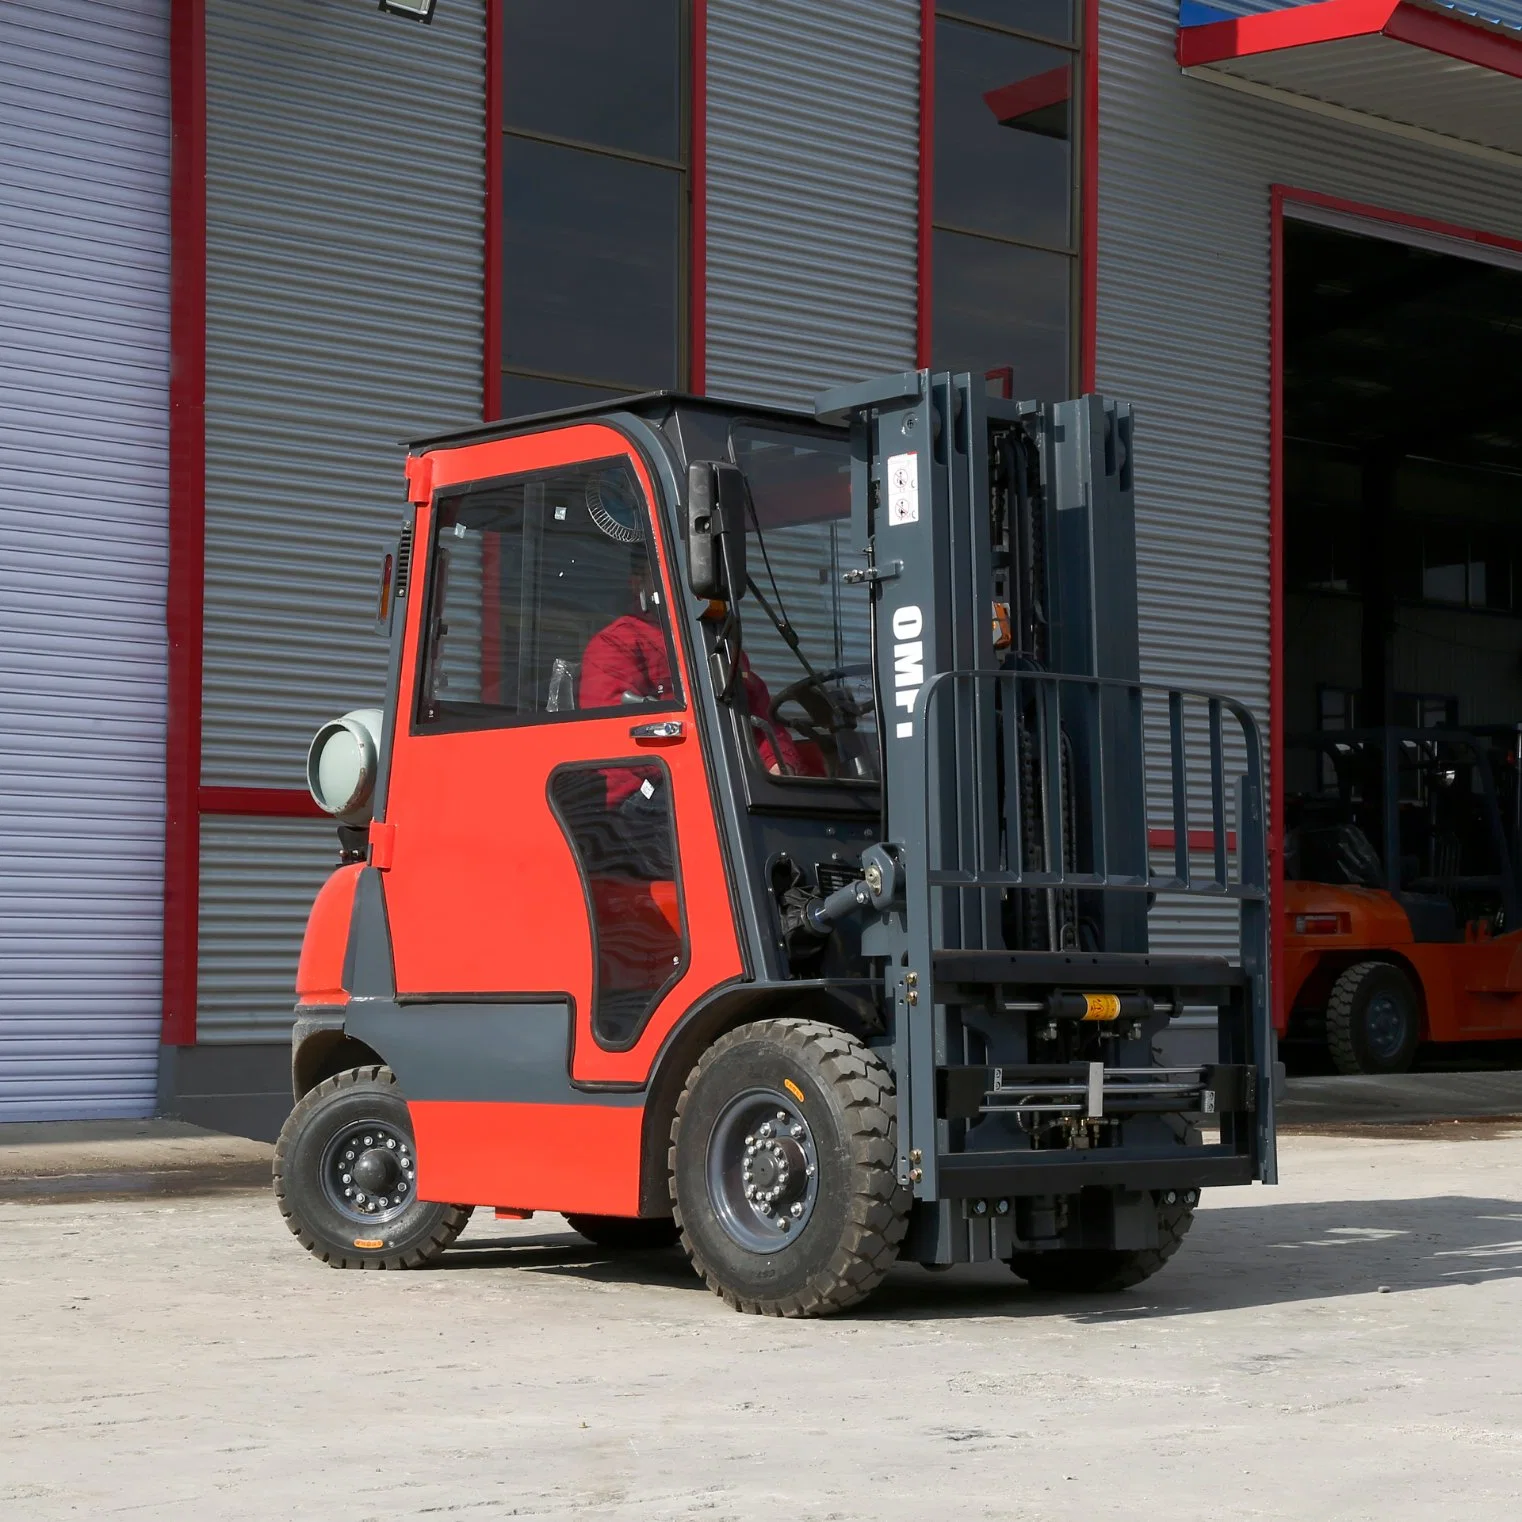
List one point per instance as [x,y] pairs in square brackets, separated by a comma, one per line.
[1402,921]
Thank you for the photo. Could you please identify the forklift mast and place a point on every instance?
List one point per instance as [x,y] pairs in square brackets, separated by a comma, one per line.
[1000,552]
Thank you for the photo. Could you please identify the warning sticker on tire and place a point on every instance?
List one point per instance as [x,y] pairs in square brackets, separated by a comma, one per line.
[903,489]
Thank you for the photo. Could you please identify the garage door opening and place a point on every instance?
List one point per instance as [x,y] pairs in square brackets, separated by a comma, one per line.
[1402,645]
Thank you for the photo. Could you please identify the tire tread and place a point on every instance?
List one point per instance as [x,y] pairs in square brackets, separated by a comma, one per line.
[452,1220]
[878,1214]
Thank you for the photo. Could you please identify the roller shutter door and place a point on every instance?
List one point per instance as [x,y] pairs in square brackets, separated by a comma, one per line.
[345,245]
[258,879]
[813,163]
[84,370]
[1185,175]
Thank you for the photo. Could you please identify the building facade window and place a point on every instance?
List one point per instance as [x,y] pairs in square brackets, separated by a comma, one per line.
[594,199]
[1004,255]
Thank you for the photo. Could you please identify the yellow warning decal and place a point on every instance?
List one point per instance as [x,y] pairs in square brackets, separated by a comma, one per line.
[793,1089]
[369,1243]
[1101,1006]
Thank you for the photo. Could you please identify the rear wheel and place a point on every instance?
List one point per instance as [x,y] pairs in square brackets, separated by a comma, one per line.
[784,1169]
[1373,1020]
[1088,1271]
[626,1233]
[345,1177]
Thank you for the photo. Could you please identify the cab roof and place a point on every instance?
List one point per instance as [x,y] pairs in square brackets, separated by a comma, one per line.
[654,406]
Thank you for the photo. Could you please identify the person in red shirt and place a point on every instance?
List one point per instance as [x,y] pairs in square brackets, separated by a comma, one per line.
[627,662]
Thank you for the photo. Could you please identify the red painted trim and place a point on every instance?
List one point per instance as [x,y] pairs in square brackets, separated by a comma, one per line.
[697,192]
[185,595]
[1088,205]
[926,179]
[491,338]
[259,802]
[1276,600]
[1399,218]
[1454,37]
[1294,27]
[1037,93]
[1199,840]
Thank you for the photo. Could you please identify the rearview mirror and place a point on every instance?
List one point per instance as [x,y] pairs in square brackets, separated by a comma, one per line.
[716,501]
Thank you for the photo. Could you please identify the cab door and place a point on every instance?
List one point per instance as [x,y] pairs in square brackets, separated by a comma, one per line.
[554,839]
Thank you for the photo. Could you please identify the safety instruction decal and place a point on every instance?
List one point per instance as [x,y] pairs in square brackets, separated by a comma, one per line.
[903,489]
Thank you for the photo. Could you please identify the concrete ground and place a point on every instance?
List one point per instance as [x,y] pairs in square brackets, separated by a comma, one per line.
[1348,1345]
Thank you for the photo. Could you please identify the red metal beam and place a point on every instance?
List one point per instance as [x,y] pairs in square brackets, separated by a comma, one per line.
[1465,40]
[697,190]
[185,595]
[259,802]
[1456,38]
[1039,92]
[1294,27]
[1199,840]
[1088,205]
[926,179]
[491,337]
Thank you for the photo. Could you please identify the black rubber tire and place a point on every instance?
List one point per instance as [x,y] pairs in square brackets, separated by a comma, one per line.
[1097,1271]
[860,1213]
[415,1237]
[1347,1019]
[619,1233]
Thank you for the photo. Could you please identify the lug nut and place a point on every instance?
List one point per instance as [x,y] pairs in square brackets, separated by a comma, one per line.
[782,1116]
[1001,1207]
[980,1207]
[783,1223]
[795,1130]
[797,1211]
[765,1129]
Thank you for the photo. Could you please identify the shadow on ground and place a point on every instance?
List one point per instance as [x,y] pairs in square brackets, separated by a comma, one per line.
[1239,1258]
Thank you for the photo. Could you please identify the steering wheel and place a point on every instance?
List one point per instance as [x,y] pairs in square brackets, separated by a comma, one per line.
[826,713]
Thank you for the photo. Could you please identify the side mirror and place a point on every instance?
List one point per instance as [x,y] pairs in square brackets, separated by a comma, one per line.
[716,511]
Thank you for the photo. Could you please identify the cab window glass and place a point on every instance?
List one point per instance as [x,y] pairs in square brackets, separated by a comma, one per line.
[545,603]
[808,637]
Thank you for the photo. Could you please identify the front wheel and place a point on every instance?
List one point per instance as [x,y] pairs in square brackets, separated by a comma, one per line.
[346,1177]
[784,1169]
[1093,1270]
[1373,1020]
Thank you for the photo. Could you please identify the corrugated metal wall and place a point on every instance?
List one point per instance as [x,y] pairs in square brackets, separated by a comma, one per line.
[84,411]
[345,186]
[813,161]
[345,182]
[258,879]
[1185,175]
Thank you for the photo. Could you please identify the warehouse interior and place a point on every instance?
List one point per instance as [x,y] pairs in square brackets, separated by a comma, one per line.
[1402,473]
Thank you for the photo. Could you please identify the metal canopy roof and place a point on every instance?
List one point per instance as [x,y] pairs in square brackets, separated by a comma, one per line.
[1421,69]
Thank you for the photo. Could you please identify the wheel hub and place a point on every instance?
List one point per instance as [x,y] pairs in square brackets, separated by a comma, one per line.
[368,1172]
[763,1170]
[1385,1026]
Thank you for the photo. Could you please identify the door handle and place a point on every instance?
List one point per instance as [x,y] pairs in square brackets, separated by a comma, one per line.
[664,729]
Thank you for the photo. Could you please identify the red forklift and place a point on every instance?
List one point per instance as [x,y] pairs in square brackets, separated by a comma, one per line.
[1402,912]
[752,852]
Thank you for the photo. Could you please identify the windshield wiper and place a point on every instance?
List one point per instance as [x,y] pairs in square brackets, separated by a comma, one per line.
[779,622]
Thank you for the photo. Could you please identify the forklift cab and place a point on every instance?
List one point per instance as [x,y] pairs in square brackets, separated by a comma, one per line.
[754,847]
